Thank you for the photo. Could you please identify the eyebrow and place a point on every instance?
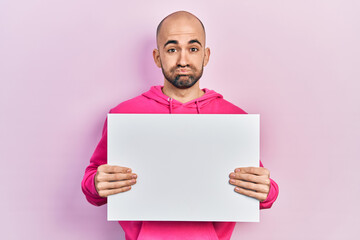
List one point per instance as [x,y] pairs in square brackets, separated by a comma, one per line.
[176,42]
[195,41]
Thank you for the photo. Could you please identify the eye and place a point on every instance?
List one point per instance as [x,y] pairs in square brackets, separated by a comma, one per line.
[171,50]
[194,49]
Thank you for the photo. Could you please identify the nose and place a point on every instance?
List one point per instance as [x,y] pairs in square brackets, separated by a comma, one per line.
[183,60]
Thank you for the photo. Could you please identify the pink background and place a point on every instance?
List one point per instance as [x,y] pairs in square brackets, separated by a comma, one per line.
[64,64]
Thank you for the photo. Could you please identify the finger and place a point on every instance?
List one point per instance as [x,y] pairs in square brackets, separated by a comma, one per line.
[251,186]
[117,184]
[259,196]
[113,169]
[251,178]
[105,177]
[106,193]
[253,170]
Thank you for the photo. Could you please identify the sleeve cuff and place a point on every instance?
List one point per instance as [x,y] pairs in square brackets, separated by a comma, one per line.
[273,193]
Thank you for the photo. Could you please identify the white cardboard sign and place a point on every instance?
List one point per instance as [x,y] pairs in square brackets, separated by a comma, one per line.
[183,162]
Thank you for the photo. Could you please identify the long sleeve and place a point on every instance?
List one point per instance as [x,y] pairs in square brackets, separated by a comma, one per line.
[273,194]
[98,158]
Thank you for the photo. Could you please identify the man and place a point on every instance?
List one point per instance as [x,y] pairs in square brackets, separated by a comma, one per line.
[181,54]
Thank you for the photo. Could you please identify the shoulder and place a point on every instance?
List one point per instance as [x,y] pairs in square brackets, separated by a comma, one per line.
[232,107]
[222,106]
[132,105]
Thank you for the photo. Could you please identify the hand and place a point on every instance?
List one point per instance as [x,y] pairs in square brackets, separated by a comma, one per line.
[110,180]
[251,181]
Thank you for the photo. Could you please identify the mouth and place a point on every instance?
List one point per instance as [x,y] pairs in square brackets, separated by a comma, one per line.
[183,71]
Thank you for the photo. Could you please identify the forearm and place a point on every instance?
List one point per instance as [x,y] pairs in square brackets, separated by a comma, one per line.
[98,158]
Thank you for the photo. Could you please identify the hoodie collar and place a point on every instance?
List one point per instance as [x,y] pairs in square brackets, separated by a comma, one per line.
[155,93]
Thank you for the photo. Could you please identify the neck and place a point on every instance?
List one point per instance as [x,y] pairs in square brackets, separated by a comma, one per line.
[182,95]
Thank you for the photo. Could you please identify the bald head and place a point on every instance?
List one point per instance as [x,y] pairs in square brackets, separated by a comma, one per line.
[181,52]
[179,18]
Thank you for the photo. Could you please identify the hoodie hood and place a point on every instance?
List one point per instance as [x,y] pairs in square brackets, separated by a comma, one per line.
[155,93]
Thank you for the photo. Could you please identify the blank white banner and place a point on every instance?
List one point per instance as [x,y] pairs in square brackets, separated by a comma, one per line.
[183,162]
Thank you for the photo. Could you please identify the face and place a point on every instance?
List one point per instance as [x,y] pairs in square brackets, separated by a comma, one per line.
[181,53]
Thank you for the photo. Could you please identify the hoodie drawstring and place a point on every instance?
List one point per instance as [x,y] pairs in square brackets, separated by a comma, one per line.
[163,103]
[170,101]
[197,106]
[171,105]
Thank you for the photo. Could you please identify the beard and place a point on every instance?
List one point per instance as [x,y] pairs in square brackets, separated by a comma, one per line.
[183,81]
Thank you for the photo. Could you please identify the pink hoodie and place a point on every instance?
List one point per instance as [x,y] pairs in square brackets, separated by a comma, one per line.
[154,101]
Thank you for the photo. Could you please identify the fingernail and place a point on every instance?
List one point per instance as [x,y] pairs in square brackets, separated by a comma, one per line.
[129,170]
[232,175]
[237,189]
[133,181]
[237,170]
[232,181]
[134,176]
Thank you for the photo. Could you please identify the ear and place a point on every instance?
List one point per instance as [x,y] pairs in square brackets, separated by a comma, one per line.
[206,56]
[156,56]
